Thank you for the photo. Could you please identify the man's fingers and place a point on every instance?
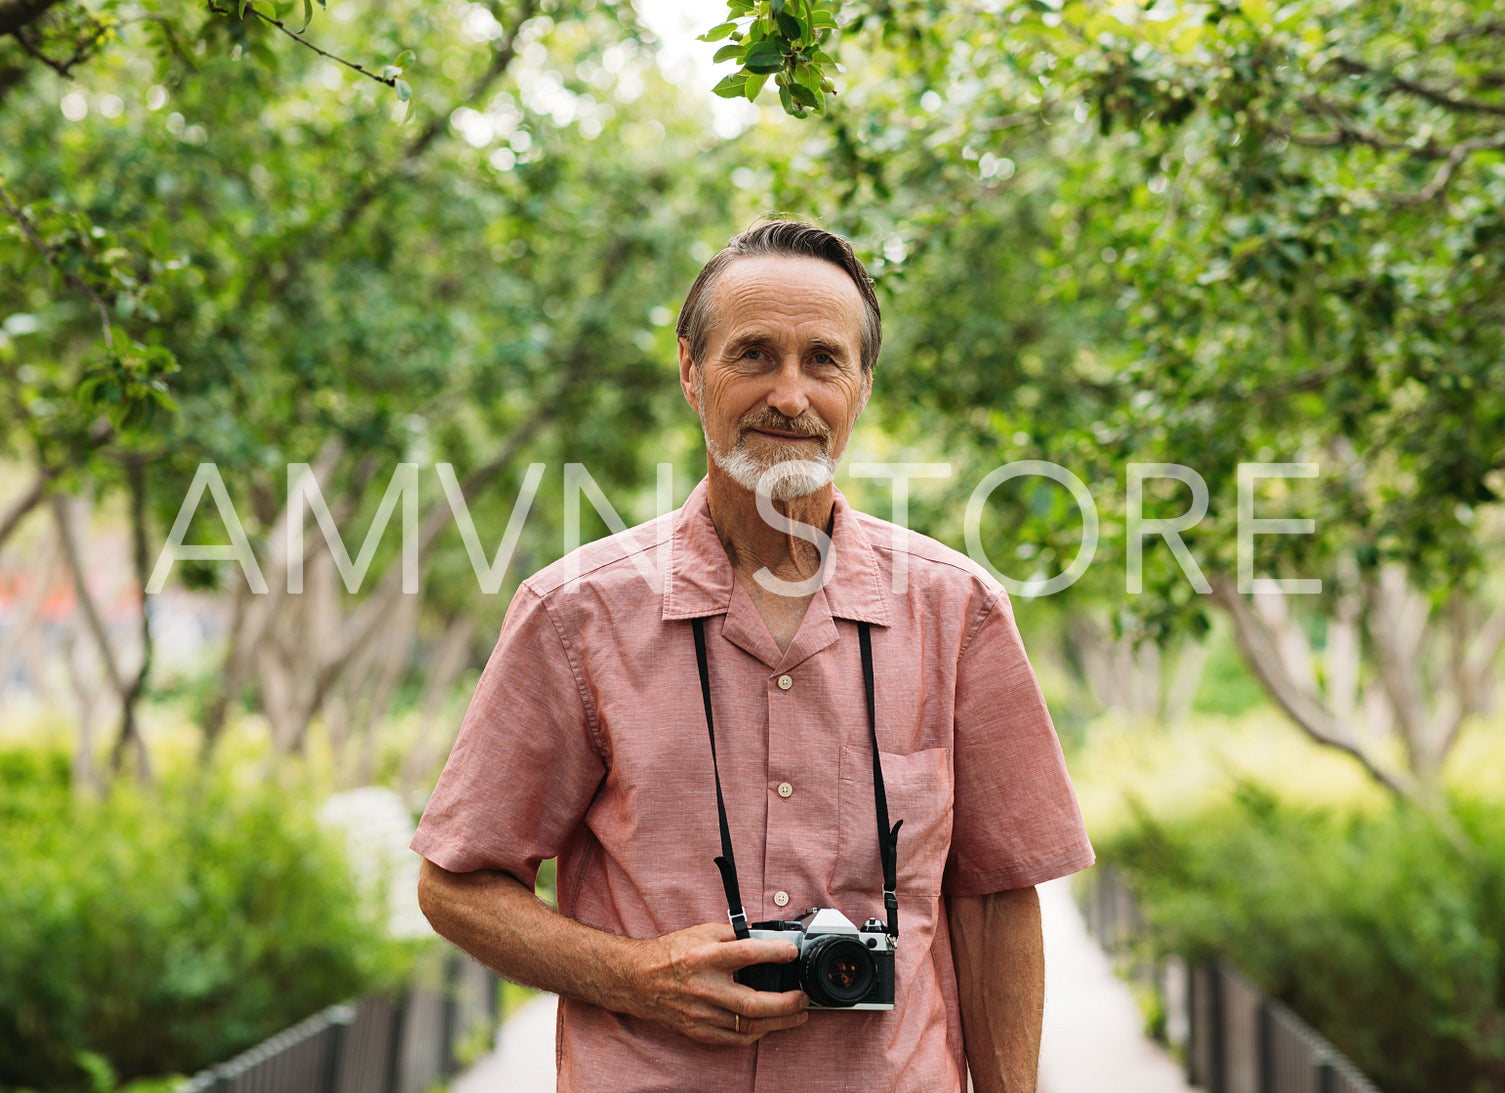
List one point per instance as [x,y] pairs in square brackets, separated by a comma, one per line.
[732,955]
[759,1005]
[760,1026]
[734,1029]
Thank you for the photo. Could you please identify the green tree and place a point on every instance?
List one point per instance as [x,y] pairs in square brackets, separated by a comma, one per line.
[486,285]
[1213,236]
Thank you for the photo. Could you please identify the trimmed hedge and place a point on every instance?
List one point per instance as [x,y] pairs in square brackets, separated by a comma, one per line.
[1380,930]
[157,932]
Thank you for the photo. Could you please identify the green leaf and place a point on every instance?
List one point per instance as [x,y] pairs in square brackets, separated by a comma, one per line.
[823,20]
[164,400]
[754,86]
[731,86]
[790,27]
[727,52]
[718,32]
[391,72]
[767,56]
[804,95]
[308,15]
[404,92]
[243,5]
[405,58]
[776,6]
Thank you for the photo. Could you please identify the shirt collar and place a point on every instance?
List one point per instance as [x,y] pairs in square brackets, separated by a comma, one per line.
[700,581]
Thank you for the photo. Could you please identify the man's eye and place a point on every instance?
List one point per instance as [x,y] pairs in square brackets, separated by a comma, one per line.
[753,354]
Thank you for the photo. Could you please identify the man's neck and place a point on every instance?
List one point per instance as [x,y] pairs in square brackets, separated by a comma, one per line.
[751,544]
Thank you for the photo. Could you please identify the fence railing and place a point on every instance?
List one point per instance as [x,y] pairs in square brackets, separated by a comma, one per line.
[375,1045]
[1236,1039]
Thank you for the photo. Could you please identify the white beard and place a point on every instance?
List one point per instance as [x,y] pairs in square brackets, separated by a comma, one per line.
[783,476]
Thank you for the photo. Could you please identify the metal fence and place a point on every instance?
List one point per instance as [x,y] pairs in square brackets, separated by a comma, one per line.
[1236,1040]
[375,1045]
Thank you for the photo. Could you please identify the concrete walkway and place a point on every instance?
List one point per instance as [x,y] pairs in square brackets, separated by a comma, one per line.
[1092,1043]
[1094,1038]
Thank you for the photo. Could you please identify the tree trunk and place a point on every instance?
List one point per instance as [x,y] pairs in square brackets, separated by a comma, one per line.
[1185,681]
[449,662]
[21,634]
[395,660]
[130,732]
[94,621]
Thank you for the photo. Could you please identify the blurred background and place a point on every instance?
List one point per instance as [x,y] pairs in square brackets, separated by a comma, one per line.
[239,238]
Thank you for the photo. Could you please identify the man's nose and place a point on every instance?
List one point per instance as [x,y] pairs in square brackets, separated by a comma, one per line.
[788,395]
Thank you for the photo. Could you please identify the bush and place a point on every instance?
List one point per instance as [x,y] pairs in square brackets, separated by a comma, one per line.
[1380,930]
[157,932]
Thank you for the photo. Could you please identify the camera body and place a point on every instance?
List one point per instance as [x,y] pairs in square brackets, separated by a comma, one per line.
[839,965]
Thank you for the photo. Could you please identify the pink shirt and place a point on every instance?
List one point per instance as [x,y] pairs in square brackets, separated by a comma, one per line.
[586,740]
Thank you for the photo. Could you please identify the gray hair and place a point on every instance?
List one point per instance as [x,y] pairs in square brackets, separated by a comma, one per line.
[780,238]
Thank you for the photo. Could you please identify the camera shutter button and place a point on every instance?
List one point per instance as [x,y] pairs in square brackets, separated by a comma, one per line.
[781,898]
[785,789]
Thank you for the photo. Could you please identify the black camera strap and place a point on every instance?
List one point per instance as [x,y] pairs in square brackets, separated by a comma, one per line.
[726,863]
[888,839]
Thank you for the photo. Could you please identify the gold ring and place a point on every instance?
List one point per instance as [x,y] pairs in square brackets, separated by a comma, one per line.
[737,1021]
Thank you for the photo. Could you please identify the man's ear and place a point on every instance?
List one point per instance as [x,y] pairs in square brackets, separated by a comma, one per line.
[867,390]
[687,374]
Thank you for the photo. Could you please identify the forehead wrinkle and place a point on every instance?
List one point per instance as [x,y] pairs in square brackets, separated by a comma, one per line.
[826,340]
[789,291]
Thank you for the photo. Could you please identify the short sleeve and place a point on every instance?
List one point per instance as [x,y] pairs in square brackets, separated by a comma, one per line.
[525,767]
[1016,821]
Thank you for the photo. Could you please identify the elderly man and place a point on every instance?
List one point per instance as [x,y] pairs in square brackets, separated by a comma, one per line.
[716,681]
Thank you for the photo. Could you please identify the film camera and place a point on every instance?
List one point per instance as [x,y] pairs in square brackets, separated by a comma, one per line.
[839,966]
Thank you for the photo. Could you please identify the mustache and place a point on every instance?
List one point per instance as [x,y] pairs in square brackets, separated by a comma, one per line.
[767,418]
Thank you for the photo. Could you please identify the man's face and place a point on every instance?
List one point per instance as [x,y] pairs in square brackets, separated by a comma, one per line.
[782,377]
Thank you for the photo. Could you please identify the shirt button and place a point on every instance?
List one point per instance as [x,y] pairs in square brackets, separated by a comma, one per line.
[781,898]
[785,789]
[785,683]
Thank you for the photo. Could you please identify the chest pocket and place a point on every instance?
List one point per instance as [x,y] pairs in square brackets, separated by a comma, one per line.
[919,790]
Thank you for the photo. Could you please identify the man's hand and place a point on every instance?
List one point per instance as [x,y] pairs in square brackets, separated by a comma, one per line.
[682,980]
[688,985]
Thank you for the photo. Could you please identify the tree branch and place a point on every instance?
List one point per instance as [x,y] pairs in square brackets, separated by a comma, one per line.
[26,502]
[501,59]
[1260,653]
[52,259]
[62,68]
[90,609]
[1486,28]
[1436,95]
[1475,665]
[15,14]
[1439,183]
[389,81]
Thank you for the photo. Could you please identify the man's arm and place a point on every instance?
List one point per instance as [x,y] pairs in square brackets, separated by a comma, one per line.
[683,979]
[1000,976]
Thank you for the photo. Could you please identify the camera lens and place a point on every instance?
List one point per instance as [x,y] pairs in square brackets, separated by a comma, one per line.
[837,971]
